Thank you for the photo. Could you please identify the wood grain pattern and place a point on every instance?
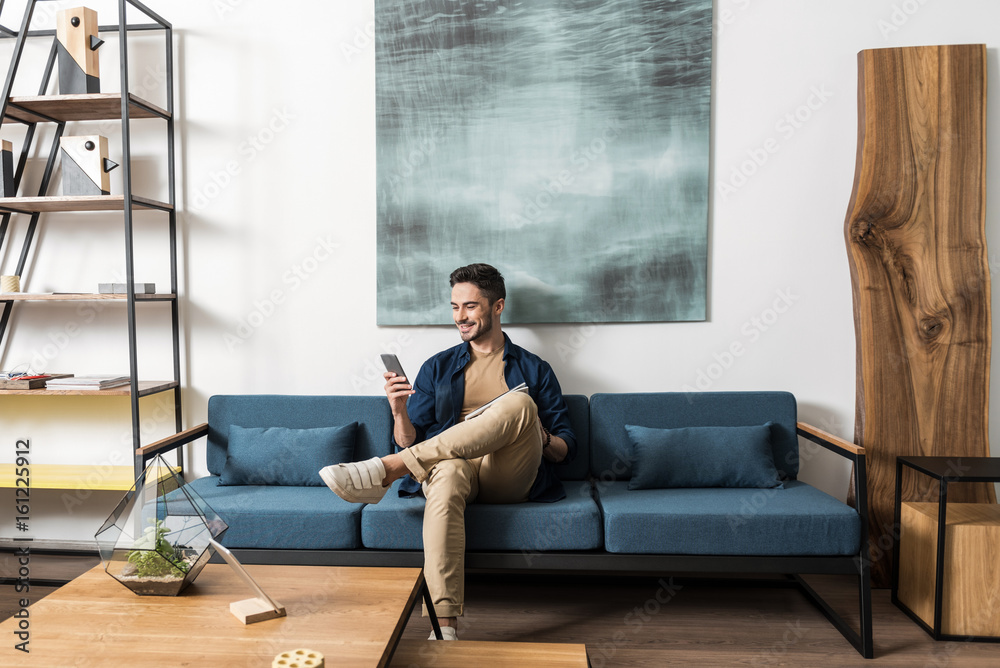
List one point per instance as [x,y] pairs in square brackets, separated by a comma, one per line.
[848,448]
[77,203]
[708,624]
[77,39]
[917,250]
[146,387]
[971,592]
[462,654]
[353,616]
[81,297]
[78,107]
[169,443]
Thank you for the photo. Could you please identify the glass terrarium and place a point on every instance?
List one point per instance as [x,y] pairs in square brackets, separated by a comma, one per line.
[157,540]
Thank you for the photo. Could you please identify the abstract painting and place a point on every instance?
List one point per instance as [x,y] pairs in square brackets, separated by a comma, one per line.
[565,142]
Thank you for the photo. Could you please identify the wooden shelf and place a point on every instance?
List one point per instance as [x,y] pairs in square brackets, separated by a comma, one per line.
[146,387]
[74,476]
[80,297]
[90,107]
[88,203]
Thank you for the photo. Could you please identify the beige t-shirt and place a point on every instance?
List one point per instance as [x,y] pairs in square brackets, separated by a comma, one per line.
[484,379]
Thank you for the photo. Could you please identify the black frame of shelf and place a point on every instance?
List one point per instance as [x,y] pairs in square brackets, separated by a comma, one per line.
[123,28]
[946,470]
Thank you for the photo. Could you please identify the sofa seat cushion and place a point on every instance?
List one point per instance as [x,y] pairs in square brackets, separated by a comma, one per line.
[279,517]
[573,523]
[795,521]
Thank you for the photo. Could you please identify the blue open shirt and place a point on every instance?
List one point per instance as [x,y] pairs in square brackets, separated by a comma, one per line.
[440,392]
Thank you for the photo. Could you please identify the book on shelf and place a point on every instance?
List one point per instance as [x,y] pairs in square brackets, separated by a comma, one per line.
[24,381]
[122,288]
[87,383]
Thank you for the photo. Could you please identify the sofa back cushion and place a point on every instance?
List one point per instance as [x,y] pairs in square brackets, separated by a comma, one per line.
[611,448]
[372,437]
[579,418]
[283,456]
[702,457]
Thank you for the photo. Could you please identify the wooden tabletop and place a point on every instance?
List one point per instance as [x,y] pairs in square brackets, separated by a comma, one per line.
[353,616]
[463,653]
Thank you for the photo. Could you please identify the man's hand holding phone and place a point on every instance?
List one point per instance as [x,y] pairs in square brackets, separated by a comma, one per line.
[398,389]
[397,385]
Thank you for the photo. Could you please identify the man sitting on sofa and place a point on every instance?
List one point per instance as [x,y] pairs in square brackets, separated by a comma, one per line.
[503,455]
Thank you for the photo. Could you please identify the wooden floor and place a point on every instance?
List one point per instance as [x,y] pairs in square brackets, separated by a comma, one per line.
[652,622]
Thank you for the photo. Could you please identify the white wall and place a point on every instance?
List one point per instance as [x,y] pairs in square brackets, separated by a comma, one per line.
[298,78]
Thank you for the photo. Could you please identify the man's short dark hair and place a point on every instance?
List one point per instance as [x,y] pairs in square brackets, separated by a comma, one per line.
[483,276]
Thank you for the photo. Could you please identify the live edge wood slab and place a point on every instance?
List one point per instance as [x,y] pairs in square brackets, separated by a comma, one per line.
[917,250]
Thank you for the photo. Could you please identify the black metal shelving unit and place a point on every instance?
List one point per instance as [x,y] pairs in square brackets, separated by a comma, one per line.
[59,110]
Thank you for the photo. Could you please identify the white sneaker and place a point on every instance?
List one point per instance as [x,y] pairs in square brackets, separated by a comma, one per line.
[356,482]
[447,633]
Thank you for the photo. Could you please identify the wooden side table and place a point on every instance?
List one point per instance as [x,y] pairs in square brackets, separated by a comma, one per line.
[945,571]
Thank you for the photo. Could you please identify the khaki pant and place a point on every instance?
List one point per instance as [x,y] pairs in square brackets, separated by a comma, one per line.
[492,458]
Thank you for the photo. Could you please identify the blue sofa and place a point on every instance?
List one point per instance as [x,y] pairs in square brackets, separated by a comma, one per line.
[788,528]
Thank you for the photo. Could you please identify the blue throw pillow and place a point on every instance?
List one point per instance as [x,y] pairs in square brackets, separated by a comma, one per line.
[702,457]
[283,456]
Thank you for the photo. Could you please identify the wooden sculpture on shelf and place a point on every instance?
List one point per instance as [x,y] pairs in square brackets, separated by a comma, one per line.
[77,40]
[915,233]
[85,165]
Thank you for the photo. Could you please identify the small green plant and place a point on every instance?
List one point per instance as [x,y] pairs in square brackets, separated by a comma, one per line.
[153,555]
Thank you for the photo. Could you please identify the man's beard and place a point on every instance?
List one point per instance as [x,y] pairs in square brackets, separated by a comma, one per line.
[477,332]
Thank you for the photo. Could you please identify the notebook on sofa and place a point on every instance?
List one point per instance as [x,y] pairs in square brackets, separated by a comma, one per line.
[523,387]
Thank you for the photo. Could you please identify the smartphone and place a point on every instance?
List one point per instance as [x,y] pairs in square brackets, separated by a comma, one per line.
[392,364]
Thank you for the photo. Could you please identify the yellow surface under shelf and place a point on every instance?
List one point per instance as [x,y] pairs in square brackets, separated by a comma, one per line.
[72,476]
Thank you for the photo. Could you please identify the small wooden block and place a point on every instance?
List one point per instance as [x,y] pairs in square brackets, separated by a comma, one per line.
[7,188]
[971,589]
[76,39]
[253,610]
[83,165]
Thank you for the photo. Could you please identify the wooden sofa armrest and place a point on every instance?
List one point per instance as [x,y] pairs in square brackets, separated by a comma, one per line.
[829,441]
[172,442]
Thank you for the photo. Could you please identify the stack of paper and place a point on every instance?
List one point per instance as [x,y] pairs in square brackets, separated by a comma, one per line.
[86,383]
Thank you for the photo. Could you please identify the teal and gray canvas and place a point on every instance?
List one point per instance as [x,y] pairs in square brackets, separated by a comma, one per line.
[566,142]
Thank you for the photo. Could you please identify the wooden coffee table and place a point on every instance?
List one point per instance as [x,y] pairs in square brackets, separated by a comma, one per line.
[353,616]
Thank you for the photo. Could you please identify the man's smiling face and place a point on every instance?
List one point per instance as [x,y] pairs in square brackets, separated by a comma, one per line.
[471,311]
